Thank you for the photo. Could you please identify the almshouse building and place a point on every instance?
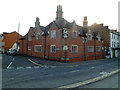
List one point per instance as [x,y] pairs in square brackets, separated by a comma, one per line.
[62,40]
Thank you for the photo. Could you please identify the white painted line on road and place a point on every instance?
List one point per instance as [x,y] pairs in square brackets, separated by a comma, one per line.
[45,66]
[9,65]
[28,67]
[13,59]
[11,68]
[92,67]
[103,72]
[72,71]
[36,67]
[19,67]
[75,71]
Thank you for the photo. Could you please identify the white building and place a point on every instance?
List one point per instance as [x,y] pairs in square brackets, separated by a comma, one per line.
[1,43]
[114,43]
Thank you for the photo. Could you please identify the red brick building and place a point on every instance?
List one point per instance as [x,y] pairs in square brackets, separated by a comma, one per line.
[9,39]
[62,40]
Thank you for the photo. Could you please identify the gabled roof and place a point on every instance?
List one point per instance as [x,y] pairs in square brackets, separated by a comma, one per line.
[24,37]
[82,30]
[49,25]
[63,23]
[95,33]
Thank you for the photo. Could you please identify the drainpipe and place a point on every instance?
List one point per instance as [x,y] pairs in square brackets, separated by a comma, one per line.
[84,49]
[95,47]
[44,46]
[22,46]
[27,46]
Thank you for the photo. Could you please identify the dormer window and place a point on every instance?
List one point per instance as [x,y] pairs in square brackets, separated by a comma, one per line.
[37,36]
[29,38]
[74,34]
[89,37]
[53,34]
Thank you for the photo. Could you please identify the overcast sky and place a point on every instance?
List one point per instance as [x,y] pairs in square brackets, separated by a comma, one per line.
[25,11]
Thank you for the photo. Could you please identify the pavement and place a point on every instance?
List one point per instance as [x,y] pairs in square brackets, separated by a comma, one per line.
[111,82]
[58,63]
[91,80]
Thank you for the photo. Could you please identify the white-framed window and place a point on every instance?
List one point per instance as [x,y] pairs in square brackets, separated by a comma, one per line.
[118,44]
[89,37]
[90,49]
[53,34]
[29,38]
[74,49]
[114,36]
[29,48]
[37,36]
[65,47]
[38,48]
[98,48]
[99,38]
[112,44]
[74,34]
[53,48]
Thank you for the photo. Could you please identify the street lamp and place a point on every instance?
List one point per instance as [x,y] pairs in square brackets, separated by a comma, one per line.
[62,24]
[84,34]
[45,34]
[95,37]
[84,42]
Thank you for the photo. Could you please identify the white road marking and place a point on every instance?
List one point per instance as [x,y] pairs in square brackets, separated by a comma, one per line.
[103,72]
[19,67]
[72,71]
[92,67]
[28,67]
[13,59]
[45,66]
[36,67]
[9,65]
[11,68]
[75,71]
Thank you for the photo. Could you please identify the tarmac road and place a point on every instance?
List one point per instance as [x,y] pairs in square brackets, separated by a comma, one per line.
[33,76]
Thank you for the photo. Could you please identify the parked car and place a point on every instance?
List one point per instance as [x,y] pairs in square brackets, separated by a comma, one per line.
[12,52]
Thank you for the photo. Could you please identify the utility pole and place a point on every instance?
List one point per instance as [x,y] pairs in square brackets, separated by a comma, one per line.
[18,36]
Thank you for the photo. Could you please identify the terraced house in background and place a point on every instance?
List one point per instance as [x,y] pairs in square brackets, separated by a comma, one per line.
[1,43]
[62,40]
[114,43]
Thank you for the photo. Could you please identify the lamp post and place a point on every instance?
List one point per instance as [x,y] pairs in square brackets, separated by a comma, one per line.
[45,33]
[95,47]
[84,42]
[64,34]
[84,35]
[95,37]
[18,38]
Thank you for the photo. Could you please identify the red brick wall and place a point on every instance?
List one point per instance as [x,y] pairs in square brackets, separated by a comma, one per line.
[54,41]
[59,41]
[10,39]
